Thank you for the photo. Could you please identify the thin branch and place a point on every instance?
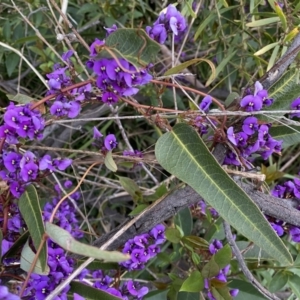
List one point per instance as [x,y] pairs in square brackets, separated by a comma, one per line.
[243,265]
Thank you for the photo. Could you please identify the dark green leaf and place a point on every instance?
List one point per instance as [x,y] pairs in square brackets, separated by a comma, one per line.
[99,265]
[293,282]
[156,295]
[195,242]
[210,269]
[31,212]
[278,281]
[183,153]
[285,90]
[188,296]
[11,63]
[289,135]
[223,256]
[134,45]
[138,209]
[184,221]
[194,283]
[246,290]
[173,235]
[90,293]
[221,293]
[27,259]
[253,252]
[64,239]
[17,246]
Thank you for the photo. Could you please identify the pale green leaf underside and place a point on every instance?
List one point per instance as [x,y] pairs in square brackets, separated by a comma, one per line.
[289,135]
[182,153]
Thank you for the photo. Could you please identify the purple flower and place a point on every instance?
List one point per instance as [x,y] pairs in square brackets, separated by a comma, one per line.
[11,161]
[295,106]
[231,136]
[110,142]
[111,29]
[215,246]
[109,98]
[295,234]
[278,191]
[77,297]
[252,103]
[158,233]
[95,47]
[97,134]
[6,295]
[250,125]
[29,171]
[205,103]
[158,33]
[66,56]
[234,292]
[278,228]
[133,290]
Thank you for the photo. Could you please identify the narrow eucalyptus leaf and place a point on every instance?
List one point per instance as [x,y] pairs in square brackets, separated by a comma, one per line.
[31,212]
[64,239]
[183,153]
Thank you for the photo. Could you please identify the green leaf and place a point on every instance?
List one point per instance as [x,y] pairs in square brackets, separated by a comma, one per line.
[273,57]
[20,98]
[31,212]
[179,68]
[195,242]
[188,296]
[134,45]
[11,63]
[223,256]
[131,188]
[263,22]
[278,281]
[265,49]
[64,239]
[109,162]
[252,253]
[183,153]
[210,269]
[285,90]
[289,135]
[27,258]
[246,290]
[221,66]
[184,221]
[194,283]
[89,292]
[293,282]
[221,293]
[14,250]
[98,265]
[173,235]
[138,209]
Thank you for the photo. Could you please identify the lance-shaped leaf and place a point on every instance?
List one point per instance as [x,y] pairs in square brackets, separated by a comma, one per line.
[289,135]
[27,258]
[90,293]
[285,90]
[31,212]
[134,45]
[183,153]
[64,239]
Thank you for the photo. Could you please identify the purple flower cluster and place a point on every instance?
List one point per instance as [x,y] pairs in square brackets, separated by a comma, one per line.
[107,144]
[258,100]
[252,137]
[202,207]
[66,104]
[289,189]
[143,247]
[170,20]
[18,170]
[214,247]
[115,78]
[21,122]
